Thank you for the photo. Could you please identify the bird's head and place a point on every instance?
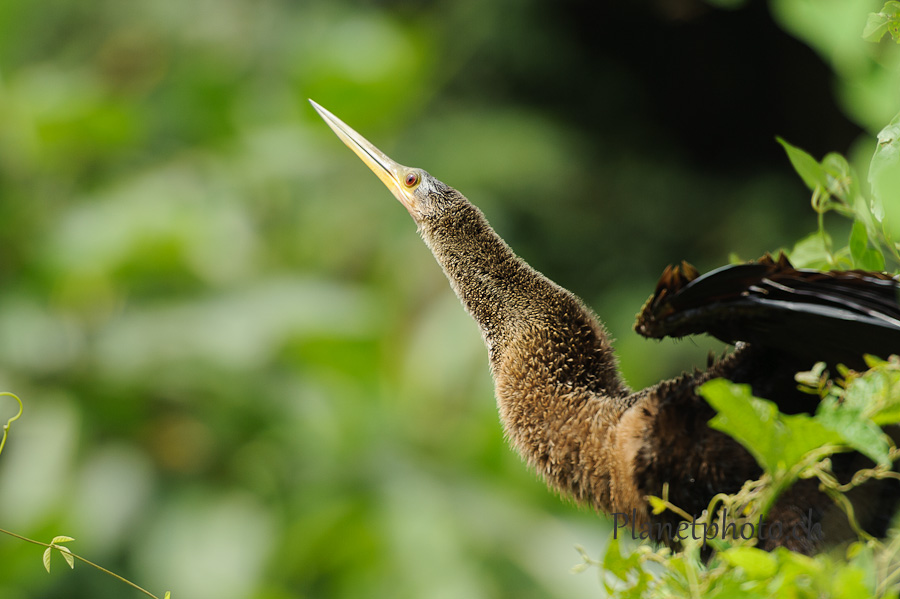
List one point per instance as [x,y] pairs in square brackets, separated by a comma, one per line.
[423,196]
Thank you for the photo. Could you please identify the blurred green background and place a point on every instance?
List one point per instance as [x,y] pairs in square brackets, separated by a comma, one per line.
[243,374]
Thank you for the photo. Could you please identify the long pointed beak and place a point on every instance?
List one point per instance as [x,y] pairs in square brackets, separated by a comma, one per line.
[391,173]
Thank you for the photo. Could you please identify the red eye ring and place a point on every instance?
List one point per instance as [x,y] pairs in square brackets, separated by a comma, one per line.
[411,179]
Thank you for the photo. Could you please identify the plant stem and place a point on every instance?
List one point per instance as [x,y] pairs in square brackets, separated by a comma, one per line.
[11,420]
[87,561]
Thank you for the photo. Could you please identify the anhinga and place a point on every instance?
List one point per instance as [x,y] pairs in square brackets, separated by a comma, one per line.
[566,409]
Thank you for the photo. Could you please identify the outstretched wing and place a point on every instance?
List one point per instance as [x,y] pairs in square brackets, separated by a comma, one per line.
[835,316]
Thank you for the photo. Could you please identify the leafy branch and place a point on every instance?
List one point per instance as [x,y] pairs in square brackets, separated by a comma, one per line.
[835,187]
[57,542]
[885,21]
[852,410]
[71,557]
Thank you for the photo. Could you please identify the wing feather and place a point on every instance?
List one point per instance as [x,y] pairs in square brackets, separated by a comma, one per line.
[835,316]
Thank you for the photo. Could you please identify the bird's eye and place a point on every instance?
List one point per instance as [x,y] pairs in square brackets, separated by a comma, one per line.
[411,179]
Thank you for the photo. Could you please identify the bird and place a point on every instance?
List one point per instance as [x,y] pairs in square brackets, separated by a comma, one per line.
[566,409]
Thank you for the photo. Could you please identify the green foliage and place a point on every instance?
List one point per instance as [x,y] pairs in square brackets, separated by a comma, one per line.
[851,412]
[70,558]
[744,571]
[226,332]
[63,550]
[835,187]
[866,568]
[227,329]
[885,21]
[858,408]
[884,171]
[778,441]
[57,541]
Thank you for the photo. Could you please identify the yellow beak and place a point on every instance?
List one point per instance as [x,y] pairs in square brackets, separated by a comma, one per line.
[391,173]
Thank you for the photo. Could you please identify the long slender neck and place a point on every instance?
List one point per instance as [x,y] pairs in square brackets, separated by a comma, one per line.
[556,377]
[482,270]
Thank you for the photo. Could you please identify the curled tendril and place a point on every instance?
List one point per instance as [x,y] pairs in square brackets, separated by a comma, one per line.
[11,420]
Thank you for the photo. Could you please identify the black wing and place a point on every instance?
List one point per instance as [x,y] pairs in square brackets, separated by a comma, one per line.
[835,316]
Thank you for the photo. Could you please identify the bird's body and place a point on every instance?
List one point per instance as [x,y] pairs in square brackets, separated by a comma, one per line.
[561,399]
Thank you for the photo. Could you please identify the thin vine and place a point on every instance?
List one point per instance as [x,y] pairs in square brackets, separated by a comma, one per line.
[57,542]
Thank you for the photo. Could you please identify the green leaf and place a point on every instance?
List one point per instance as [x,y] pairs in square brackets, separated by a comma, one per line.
[887,415]
[67,555]
[801,564]
[874,361]
[857,431]
[756,563]
[61,539]
[626,569]
[812,378]
[587,561]
[869,213]
[884,171]
[777,441]
[877,394]
[812,251]
[619,566]
[579,568]
[876,26]
[841,180]
[859,240]
[849,583]
[658,505]
[806,166]
[888,20]
[862,255]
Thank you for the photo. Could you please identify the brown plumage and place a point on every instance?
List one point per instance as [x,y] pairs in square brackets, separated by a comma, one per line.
[562,402]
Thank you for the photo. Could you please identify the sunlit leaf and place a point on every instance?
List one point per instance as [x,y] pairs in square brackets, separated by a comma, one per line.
[777,441]
[888,19]
[806,166]
[756,563]
[587,560]
[579,568]
[61,539]
[803,563]
[876,393]
[627,569]
[841,180]
[613,562]
[884,171]
[67,555]
[856,430]
[876,26]
[811,251]
[850,583]
[863,256]
[869,213]
[859,240]
[47,552]
[657,504]
[811,378]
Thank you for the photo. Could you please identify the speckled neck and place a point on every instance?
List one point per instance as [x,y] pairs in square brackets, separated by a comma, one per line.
[556,377]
